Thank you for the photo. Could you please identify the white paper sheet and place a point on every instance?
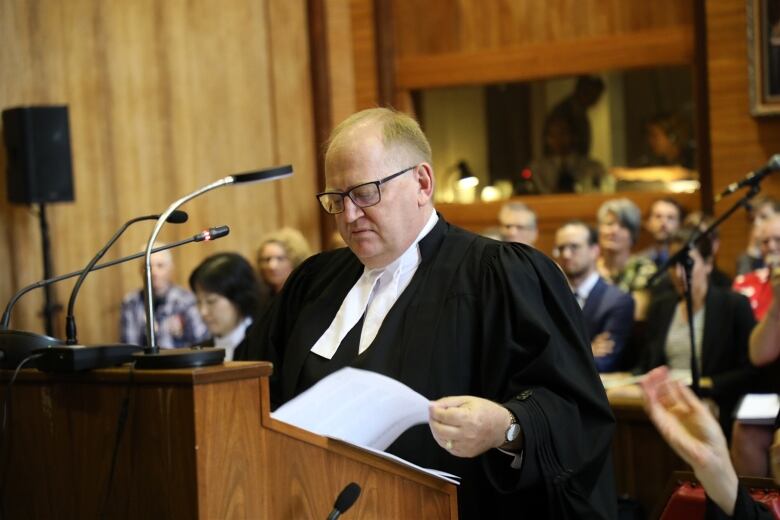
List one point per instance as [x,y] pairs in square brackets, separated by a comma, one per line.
[758,409]
[361,408]
[449,477]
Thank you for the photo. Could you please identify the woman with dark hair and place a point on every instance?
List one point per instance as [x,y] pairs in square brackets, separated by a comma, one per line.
[722,321]
[227,292]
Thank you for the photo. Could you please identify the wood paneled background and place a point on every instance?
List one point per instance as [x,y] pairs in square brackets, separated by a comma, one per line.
[510,40]
[167,96]
[740,142]
[164,98]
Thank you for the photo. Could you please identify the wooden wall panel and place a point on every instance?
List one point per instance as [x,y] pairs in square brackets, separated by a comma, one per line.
[164,97]
[445,26]
[740,142]
[505,40]
[364,49]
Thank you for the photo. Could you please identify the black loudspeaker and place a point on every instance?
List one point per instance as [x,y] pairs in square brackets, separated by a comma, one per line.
[37,140]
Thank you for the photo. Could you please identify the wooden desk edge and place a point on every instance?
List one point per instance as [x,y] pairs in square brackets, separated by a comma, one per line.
[228,371]
[349,451]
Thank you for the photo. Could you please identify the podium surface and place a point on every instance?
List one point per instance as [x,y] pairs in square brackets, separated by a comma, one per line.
[196,443]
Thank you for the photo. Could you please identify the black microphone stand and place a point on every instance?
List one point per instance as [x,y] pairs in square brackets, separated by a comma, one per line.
[50,306]
[70,319]
[683,257]
[15,345]
[152,357]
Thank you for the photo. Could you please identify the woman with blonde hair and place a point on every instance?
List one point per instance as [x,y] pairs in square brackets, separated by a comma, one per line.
[280,252]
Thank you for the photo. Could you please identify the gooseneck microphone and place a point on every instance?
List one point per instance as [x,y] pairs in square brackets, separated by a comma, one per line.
[344,501]
[177,217]
[15,345]
[152,358]
[752,178]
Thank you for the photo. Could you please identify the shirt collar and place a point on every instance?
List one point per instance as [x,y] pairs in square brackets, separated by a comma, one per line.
[234,337]
[583,291]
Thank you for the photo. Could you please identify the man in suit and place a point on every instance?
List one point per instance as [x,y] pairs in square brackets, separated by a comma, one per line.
[666,216]
[608,311]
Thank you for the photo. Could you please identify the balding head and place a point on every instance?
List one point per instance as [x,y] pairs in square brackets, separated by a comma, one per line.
[385,151]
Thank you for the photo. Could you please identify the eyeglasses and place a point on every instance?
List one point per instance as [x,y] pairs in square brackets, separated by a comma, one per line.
[363,195]
[269,259]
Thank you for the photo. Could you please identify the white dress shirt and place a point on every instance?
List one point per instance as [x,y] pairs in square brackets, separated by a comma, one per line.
[583,291]
[233,338]
[374,294]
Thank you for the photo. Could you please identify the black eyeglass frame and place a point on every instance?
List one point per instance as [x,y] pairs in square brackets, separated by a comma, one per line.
[348,193]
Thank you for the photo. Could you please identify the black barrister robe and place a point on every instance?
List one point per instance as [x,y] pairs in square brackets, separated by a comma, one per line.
[483,318]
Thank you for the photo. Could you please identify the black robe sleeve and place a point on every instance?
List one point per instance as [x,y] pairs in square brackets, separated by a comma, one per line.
[267,338]
[745,508]
[536,354]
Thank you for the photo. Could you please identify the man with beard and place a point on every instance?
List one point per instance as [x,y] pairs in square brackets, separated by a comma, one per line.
[608,311]
[666,216]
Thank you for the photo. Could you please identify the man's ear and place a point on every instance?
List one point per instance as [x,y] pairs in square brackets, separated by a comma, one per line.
[424,176]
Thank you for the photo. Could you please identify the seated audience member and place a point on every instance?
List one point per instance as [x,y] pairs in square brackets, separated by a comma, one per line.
[750,443]
[176,319]
[619,224]
[573,109]
[563,169]
[761,208]
[669,140]
[692,432]
[756,285]
[280,252]
[722,322]
[664,220]
[608,311]
[228,295]
[517,223]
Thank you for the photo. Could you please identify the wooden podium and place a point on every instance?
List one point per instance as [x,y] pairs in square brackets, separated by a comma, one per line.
[197,443]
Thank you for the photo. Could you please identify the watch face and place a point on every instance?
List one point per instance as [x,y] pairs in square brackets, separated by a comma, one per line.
[512,432]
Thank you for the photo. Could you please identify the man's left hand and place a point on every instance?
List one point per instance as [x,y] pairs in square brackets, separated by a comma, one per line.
[468,426]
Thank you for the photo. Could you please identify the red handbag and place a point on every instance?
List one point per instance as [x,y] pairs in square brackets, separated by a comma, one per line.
[687,499]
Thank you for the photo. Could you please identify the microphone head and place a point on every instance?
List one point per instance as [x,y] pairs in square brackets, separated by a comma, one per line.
[774,162]
[347,497]
[177,217]
[212,233]
[264,175]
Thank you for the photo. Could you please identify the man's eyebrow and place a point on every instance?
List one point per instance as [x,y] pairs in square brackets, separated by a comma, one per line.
[345,190]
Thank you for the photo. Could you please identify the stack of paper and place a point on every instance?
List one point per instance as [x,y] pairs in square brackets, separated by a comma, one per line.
[362,408]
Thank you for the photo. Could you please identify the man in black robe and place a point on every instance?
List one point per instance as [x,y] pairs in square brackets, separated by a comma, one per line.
[489,331]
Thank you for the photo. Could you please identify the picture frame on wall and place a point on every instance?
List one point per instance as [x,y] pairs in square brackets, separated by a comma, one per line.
[763,32]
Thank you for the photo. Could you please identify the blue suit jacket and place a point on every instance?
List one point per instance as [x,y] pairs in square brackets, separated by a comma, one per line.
[608,309]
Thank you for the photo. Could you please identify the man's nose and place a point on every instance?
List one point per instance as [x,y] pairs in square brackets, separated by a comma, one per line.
[352,211]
